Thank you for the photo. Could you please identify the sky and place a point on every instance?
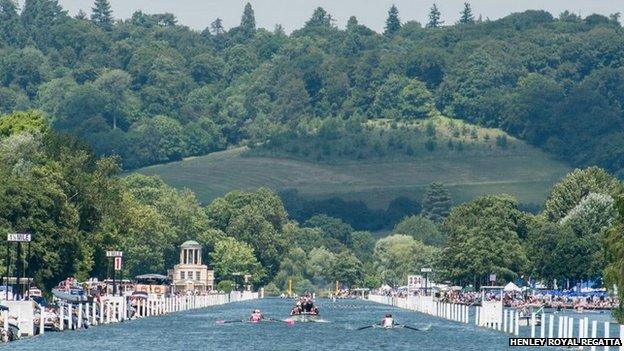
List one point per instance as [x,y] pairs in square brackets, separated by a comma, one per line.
[292,14]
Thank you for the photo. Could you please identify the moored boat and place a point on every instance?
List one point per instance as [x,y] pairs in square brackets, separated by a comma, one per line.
[68,290]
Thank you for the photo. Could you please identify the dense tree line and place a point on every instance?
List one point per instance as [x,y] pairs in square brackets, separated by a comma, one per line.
[152,90]
[77,208]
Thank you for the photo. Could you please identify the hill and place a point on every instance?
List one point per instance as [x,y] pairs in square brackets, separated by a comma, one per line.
[480,168]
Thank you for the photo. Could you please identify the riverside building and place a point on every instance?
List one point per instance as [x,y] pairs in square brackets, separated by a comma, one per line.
[190,275]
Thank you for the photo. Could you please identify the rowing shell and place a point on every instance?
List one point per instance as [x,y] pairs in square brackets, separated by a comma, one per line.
[304,318]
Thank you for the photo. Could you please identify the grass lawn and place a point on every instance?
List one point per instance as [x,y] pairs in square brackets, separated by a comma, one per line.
[527,174]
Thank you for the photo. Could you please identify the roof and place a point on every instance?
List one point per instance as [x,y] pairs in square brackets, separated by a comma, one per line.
[152,279]
[190,243]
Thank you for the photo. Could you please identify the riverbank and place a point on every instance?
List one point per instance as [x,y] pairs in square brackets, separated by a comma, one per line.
[511,321]
[23,319]
[198,330]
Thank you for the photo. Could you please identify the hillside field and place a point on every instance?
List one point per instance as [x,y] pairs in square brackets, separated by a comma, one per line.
[523,172]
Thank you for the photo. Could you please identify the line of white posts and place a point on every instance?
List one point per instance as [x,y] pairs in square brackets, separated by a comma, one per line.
[551,326]
[116,309]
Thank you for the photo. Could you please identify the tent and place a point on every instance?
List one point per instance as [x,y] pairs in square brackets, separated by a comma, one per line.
[386,287]
[511,287]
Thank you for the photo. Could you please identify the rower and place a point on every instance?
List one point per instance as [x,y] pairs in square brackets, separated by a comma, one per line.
[295,311]
[387,321]
[256,316]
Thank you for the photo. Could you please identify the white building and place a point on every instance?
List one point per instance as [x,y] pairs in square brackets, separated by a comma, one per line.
[190,275]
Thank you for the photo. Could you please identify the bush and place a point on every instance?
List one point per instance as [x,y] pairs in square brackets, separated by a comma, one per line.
[226,286]
[501,141]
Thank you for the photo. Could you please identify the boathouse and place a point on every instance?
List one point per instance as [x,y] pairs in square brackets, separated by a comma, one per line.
[191,275]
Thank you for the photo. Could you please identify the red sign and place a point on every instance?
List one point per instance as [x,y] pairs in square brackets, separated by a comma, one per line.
[117,263]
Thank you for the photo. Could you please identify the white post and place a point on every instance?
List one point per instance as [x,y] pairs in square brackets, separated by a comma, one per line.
[108,312]
[581,329]
[594,332]
[101,312]
[70,316]
[533,324]
[79,326]
[124,309]
[41,320]
[87,317]
[93,313]
[570,327]
[517,329]
[551,326]
[607,325]
[586,327]
[622,336]
[543,325]
[477,315]
[61,319]
[505,328]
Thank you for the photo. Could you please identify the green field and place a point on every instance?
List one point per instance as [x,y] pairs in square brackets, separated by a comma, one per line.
[524,172]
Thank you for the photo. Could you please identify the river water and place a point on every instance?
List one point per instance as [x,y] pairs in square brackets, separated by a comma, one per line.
[197,330]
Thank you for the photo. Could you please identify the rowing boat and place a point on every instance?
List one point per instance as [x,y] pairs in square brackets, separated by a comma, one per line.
[305,317]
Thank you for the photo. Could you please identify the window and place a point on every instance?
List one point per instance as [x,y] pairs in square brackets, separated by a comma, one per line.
[198,275]
[182,275]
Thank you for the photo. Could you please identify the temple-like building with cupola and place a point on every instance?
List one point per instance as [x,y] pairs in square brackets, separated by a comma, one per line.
[190,275]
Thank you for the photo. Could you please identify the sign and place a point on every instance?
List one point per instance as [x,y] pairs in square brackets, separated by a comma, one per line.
[114,253]
[19,237]
[117,263]
[426,270]
[492,277]
[415,282]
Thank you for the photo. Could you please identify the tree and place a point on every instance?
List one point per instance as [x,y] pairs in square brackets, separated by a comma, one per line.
[81,15]
[248,22]
[421,229]
[466,15]
[231,257]
[319,266]
[393,23]
[362,244]
[352,24]
[31,122]
[579,183]
[347,269]
[614,272]
[484,238]
[255,218]
[436,202]
[102,15]
[115,85]
[320,18]
[11,31]
[416,101]
[39,17]
[434,17]
[332,228]
[398,256]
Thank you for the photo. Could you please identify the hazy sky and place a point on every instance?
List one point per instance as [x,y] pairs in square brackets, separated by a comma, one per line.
[293,13]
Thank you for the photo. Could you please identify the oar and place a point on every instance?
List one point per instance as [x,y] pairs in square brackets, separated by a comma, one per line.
[414,328]
[366,327]
[288,321]
[408,327]
[227,322]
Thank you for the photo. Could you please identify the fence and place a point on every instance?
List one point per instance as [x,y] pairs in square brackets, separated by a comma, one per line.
[543,325]
[111,309]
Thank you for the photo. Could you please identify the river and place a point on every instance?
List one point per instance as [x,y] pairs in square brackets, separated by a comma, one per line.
[197,331]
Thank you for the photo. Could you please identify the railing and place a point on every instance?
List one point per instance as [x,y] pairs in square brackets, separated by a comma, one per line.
[541,325]
[112,309]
